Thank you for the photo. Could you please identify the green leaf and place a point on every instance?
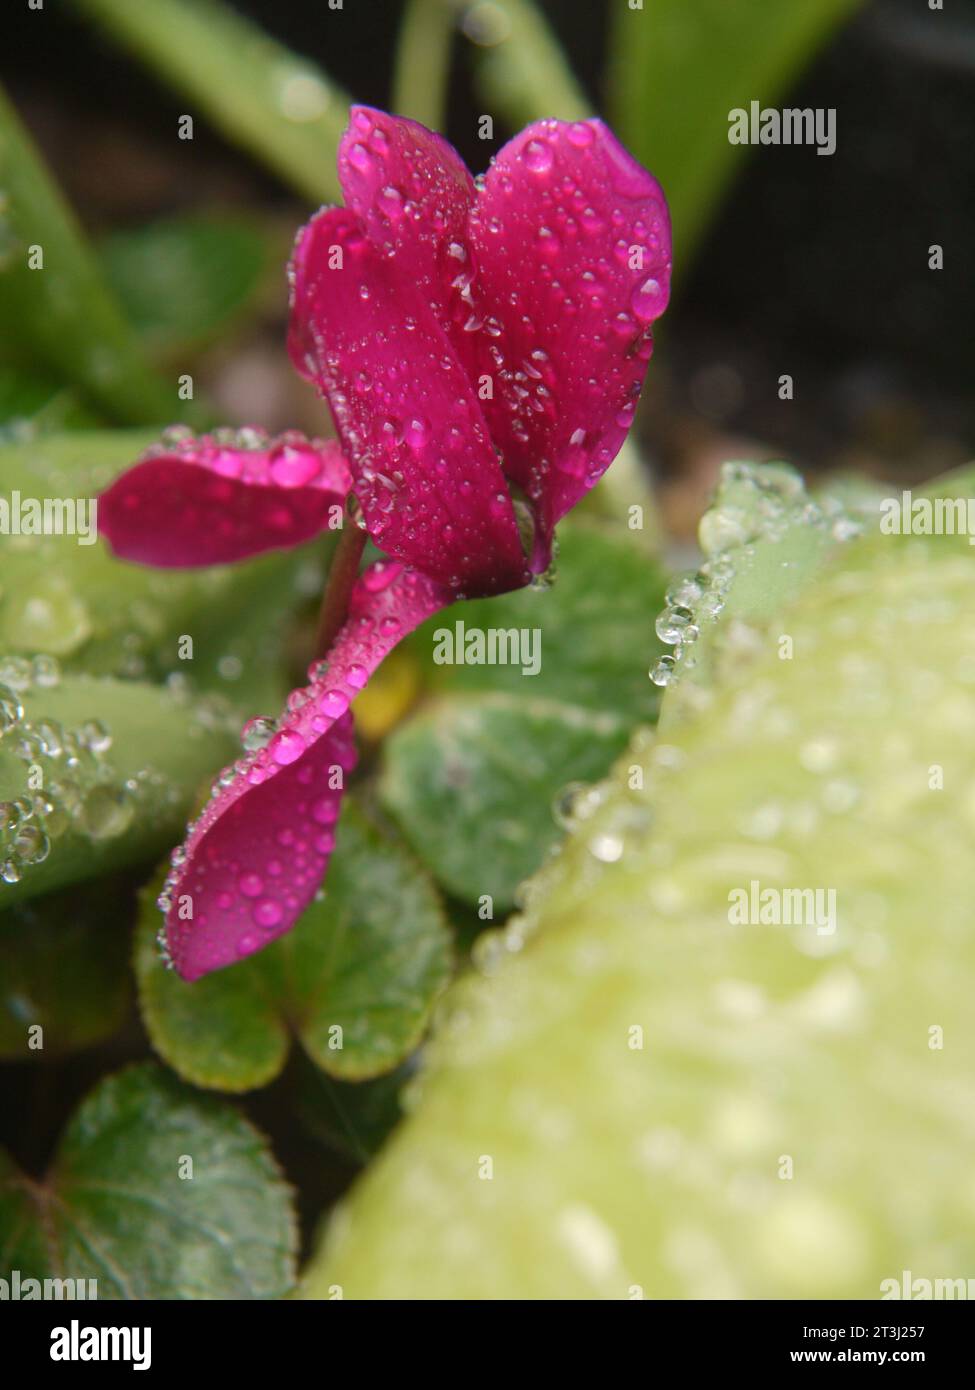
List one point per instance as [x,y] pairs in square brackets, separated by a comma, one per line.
[62,312]
[652,1163]
[31,403]
[352,1118]
[184,280]
[275,104]
[120,1205]
[63,967]
[96,774]
[64,597]
[472,779]
[765,539]
[595,628]
[354,981]
[521,67]
[675,72]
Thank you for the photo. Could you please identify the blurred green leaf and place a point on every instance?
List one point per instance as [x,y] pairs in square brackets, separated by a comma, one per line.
[765,540]
[423,62]
[62,312]
[32,403]
[637,1066]
[184,280]
[95,774]
[155,1192]
[520,64]
[595,627]
[352,1118]
[64,967]
[677,69]
[277,105]
[80,604]
[472,779]
[355,980]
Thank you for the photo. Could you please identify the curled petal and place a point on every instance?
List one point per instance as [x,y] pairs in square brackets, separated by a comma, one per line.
[424,468]
[198,501]
[258,853]
[572,241]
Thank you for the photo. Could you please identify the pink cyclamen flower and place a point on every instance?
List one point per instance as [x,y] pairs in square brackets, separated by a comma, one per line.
[477,342]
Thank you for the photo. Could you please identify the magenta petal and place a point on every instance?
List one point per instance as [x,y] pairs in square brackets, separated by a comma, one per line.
[424,469]
[257,855]
[413,194]
[200,502]
[572,241]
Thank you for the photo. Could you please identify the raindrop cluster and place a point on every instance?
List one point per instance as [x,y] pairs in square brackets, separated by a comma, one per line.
[754,503]
[79,790]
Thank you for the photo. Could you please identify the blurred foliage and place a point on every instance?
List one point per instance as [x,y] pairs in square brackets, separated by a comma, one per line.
[259,95]
[519,64]
[97,774]
[105,616]
[64,962]
[354,981]
[423,62]
[675,71]
[184,281]
[638,1069]
[472,777]
[60,312]
[156,1192]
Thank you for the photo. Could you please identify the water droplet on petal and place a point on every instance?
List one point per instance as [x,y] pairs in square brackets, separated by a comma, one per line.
[646,300]
[292,467]
[286,747]
[580,134]
[267,913]
[257,733]
[537,154]
[334,703]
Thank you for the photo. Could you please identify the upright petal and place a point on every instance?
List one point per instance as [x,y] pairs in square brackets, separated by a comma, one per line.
[198,501]
[256,856]
[424,468]
[572,241]
[413,195]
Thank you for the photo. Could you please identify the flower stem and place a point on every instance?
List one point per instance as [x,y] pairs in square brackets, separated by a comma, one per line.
[342,575]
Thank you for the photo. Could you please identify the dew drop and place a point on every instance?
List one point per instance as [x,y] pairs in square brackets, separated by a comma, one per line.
[537,155]
[257,733]
[293,467]
[664,669]
[646,300]
[286,747]
[267,913]
[334,703]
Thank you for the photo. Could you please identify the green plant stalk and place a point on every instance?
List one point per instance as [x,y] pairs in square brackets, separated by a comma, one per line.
[276,105]
[674,72]
[526,75]
[342,574]
[423,62]
[63,313]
